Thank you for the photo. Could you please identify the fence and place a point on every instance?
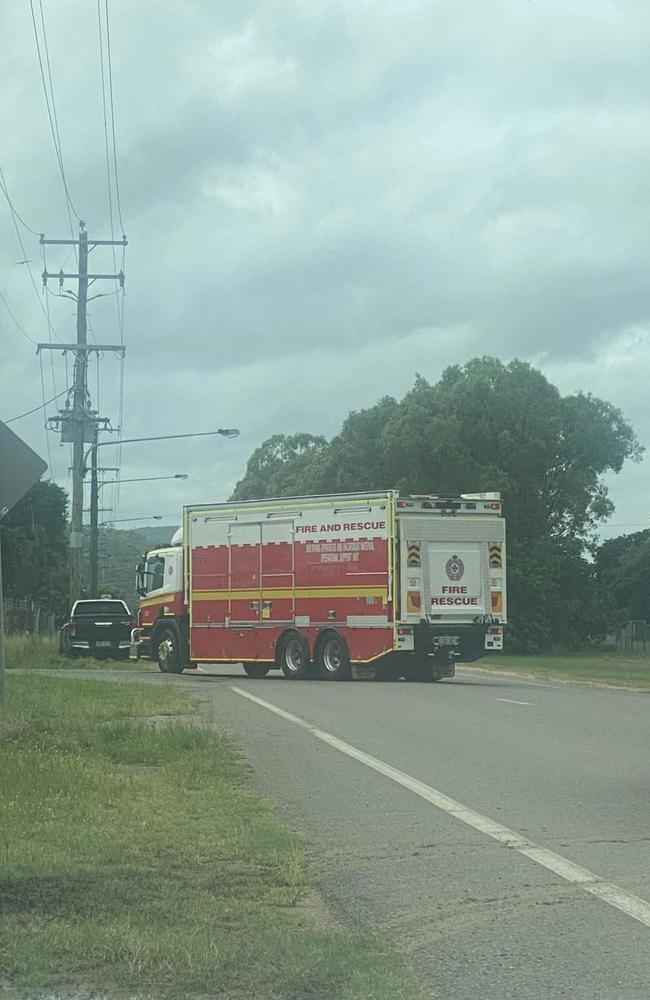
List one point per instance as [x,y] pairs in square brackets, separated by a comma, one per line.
[632,637]
[25,617]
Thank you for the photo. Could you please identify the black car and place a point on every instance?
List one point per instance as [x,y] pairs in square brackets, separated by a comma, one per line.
[99,628]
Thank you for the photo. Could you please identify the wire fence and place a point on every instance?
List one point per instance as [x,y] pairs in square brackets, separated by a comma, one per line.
[25,617]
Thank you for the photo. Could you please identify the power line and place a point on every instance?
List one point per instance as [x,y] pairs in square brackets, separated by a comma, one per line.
[14,210]
[119,303]
[51,106]
[14,218]
[106,147]
[110,90]
[18,326]
[41,406]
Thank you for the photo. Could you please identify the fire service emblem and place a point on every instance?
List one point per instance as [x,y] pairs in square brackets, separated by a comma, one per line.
[455,568]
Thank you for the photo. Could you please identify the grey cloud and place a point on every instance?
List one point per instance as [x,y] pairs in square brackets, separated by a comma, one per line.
[322,199]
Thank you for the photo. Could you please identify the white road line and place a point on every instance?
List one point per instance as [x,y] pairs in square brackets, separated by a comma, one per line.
[510,701]
[633,906]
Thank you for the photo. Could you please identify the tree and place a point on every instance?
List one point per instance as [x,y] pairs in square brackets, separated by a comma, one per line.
[280,466]
[622,568]
[35,547]
[486,425]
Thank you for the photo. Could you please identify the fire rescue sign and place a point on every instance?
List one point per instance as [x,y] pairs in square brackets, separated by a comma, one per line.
[456,580]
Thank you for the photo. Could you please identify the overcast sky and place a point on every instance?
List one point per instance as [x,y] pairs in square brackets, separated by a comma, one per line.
[322,198]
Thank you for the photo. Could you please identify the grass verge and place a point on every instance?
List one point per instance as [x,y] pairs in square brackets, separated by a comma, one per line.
[37,653]
[600,666]
[133,857]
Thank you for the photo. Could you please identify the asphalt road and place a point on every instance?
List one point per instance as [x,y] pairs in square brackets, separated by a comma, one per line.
[564,766]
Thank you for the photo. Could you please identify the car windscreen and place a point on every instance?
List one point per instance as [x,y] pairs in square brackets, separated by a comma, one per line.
[101,608]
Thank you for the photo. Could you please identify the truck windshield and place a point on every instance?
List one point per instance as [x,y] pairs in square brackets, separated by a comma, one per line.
[155,573]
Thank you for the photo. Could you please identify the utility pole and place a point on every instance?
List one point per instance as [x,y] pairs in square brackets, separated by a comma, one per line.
[80,425]
[79,421]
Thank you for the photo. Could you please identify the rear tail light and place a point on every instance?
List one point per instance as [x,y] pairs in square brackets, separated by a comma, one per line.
[72,627]
[495,630]
[404,631]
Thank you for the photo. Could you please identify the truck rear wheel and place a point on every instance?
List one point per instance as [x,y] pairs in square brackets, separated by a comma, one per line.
[333,658]
[166,644]
[256,669]
[419,670]
[293,656]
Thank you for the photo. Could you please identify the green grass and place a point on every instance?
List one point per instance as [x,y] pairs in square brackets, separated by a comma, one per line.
[598,666]
[36,653]
[134,857]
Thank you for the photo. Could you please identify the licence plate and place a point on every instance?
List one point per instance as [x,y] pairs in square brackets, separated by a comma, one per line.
[446,640]
[104,645]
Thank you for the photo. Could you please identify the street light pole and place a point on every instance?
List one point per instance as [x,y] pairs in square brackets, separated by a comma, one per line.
[94,527]
[123,520]
[143,479]
[228,432]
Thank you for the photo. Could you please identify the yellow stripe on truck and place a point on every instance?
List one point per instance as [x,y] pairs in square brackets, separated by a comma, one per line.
[288,592]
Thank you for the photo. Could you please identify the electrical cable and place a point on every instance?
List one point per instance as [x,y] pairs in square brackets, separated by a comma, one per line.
[110,90]
[50,104]
[106,69]
[14,210]
[18,326]
[106,146]
[14,218]
[36,408]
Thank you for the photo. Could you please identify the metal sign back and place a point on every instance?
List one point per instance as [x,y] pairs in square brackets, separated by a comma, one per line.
[20,468]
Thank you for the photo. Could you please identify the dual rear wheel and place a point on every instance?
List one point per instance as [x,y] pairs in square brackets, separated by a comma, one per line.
[331,657]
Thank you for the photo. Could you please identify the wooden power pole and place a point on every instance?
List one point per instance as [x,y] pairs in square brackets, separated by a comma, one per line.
[80,424]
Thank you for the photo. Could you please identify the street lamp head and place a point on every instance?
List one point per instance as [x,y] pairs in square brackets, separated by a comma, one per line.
[157,517]
[181,475]
[228,432]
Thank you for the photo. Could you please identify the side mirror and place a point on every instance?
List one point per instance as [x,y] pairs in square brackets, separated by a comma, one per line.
[140,567]
[142,592]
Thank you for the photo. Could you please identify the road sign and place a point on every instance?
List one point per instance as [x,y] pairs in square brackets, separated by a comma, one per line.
[20,468]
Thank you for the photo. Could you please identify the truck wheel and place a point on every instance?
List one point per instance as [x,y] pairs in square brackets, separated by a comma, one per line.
[256,669]
[166,644]
[293,656]
[333,658]
[443,668]
[420,671]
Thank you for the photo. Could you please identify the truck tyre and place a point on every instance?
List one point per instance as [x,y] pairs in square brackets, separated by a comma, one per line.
[293,656]
[332,657]
[419,671]
[256,669]
[443,668]
[167,652]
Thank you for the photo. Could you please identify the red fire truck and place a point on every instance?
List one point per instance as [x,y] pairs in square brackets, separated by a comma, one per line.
[342,587]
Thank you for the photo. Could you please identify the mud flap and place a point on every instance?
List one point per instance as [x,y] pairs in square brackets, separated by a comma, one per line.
[362,671]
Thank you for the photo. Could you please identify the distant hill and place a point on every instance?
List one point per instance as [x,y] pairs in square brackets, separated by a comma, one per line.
[155,534]
[119,554]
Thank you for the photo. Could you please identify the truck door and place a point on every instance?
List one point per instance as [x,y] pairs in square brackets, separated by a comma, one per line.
[244,573]
[445,569]
[278,571]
